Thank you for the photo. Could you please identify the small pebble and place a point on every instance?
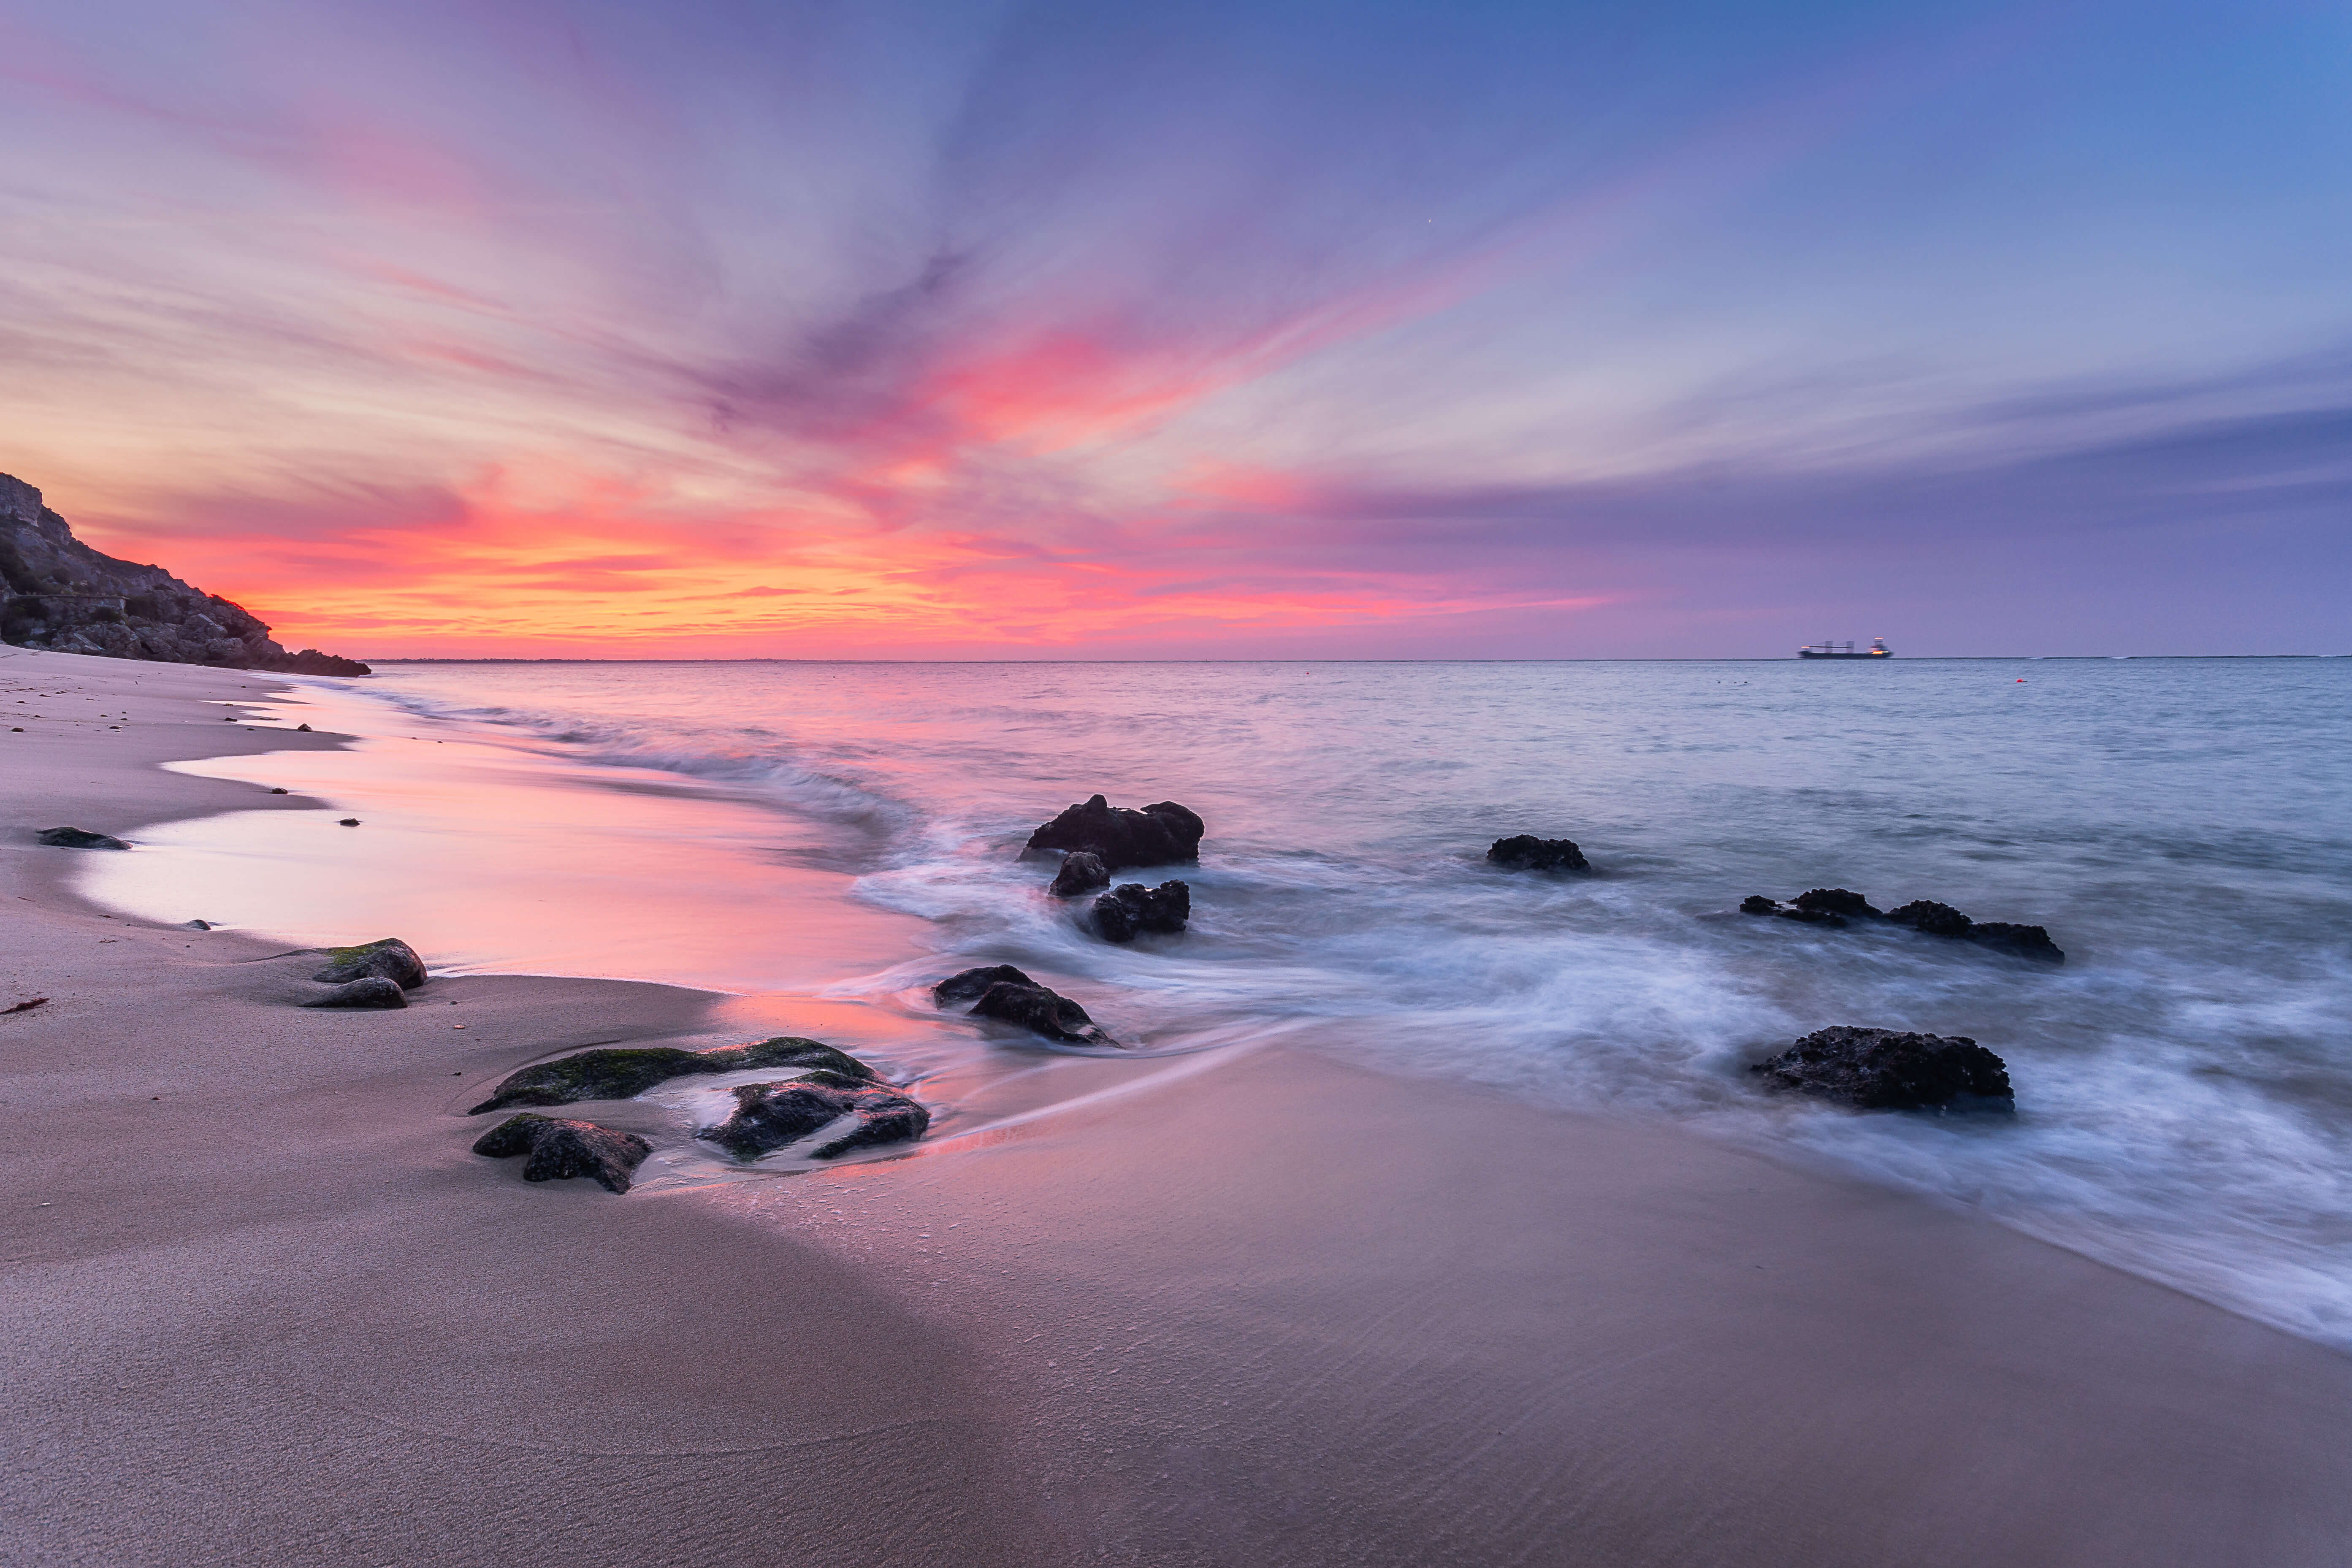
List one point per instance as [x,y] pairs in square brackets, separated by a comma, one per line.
[349,821]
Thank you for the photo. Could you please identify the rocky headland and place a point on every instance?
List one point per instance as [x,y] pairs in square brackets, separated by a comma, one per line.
[57,593]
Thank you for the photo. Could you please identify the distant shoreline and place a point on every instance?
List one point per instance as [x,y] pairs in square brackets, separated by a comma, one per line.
[1727,658]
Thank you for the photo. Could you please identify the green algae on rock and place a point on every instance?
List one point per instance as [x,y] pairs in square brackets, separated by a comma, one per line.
[390,957]
[625,1071]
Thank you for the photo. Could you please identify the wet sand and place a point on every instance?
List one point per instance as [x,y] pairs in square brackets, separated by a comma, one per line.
[268,1308]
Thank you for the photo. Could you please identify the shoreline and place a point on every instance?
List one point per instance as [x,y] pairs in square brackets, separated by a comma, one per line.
[1286,1311]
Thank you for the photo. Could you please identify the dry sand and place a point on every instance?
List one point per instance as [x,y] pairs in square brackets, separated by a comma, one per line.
[266,1309]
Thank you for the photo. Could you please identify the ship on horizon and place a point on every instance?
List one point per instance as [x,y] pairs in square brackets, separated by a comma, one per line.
[1826,649]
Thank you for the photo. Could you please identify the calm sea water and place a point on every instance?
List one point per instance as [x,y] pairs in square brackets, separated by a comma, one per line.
[2183,827]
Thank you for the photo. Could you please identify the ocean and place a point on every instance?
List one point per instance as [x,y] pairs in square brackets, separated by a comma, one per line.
[831,836]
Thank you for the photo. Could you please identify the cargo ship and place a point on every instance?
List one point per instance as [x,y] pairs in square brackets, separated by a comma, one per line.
[1877,649]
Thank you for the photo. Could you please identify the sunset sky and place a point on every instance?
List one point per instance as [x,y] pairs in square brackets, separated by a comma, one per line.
[1262,329]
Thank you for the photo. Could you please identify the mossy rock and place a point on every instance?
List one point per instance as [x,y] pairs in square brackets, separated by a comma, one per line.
[623,1072]
[392,958]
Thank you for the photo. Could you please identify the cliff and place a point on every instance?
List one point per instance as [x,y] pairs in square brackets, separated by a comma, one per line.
[57,593]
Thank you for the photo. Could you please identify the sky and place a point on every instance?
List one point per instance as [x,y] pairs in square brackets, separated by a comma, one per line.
[549,328]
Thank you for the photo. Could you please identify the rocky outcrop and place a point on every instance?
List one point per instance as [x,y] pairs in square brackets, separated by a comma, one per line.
[1838,907]
[768,1116]
[1821,905]
[368,991]
[1942,920]
[1158,835]
[560,1150]
[57,593]
[390,958]
[78,838]
[622,1072]
[1888,1069]
[1526,852]
[1127,912]
[1082,872]
[1003,992]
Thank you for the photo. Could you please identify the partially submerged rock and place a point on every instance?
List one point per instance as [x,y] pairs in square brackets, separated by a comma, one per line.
[79,838]
[1942,920]
[1794,910]
[1526,852]
[623,1071]
[392,958]
[1003,992]
[968,985]
[1041,1012]
[1890,1070]
[1837,906]
[367,991]
[1158,835]
[560,1150]
[767,1115]
[1126,912]
[1833,901]
[1082,872]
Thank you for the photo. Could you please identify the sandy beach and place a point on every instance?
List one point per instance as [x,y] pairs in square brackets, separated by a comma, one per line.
[1271,1308]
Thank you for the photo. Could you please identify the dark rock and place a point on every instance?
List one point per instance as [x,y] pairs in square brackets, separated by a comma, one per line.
[1758,904]
[76,838]
[2024,941]
[1082,872]
[369,991]
[968,985]
[195,925]
[1833,901]
[1934,918]
[278,791]
[2003,936]
[1125,912]
[767,1115]
[57,593]
[1041,1012]
[1157,836]
[1887,1069]
[1527,853]
[620,1072]
[349,822]
[390,957]
[303,729]
[560,1150]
